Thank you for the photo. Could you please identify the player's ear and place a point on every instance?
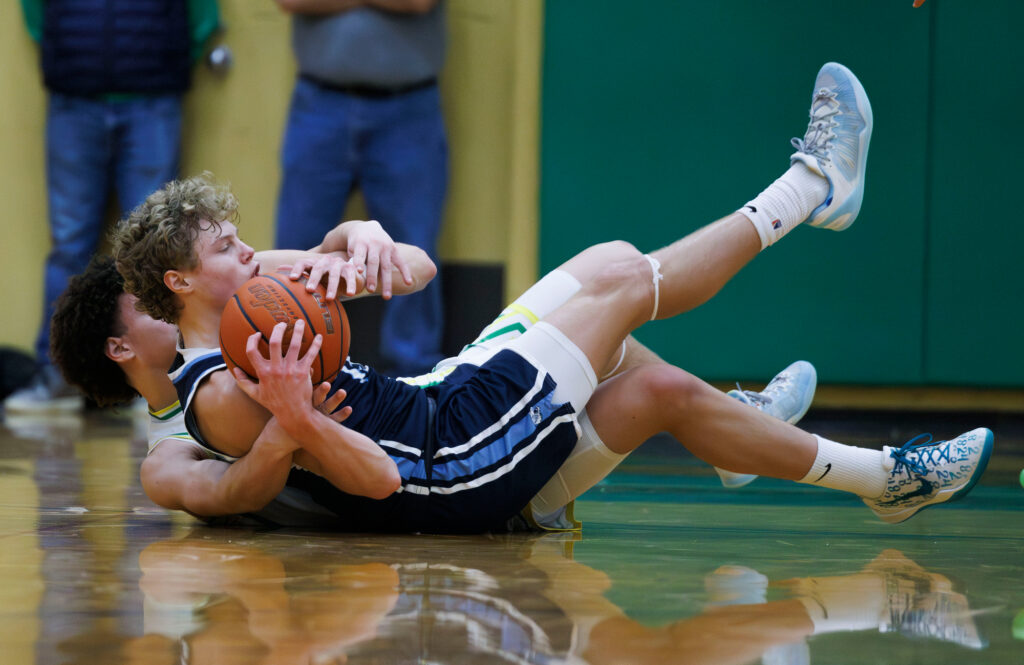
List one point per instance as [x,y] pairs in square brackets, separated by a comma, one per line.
[118,350]
[177,282]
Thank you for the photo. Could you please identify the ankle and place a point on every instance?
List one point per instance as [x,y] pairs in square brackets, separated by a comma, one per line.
[860,471]
[786,203]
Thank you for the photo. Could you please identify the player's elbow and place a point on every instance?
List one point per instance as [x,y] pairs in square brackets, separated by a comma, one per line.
[423,270]
[426,269]
[246,504]
[388,483]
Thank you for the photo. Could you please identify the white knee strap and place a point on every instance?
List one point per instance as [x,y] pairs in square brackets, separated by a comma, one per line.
[656,277]
[622,356]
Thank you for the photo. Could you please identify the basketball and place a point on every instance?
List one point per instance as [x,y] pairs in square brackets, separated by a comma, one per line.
[266,300]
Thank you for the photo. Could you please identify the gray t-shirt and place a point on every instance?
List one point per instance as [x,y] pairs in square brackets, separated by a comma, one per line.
[370,47]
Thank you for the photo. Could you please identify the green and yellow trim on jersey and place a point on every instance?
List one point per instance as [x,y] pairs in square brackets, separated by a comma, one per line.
[167,423]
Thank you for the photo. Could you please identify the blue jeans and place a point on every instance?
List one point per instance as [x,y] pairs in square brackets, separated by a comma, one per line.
[92,147]
[394,150]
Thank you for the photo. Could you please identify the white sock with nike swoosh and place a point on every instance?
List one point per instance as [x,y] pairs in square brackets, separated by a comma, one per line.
[786,203]
[848,468]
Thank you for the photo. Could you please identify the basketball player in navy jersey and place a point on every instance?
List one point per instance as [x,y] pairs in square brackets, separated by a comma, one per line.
[114,353]
[467,452]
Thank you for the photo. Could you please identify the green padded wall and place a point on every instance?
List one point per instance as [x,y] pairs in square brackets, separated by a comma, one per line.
[663,115]
[975,295]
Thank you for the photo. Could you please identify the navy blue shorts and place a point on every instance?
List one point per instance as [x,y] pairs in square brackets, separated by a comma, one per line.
[495,439]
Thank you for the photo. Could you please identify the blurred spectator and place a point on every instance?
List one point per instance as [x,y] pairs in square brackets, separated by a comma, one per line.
[115,71]
[366,113]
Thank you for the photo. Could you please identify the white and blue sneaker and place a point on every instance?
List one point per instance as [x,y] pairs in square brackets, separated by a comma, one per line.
[836,144]
[786,397]
[923,473]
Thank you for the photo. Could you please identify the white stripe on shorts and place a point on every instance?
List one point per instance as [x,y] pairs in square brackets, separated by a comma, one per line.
[516,409]
[400,447]
[501,471]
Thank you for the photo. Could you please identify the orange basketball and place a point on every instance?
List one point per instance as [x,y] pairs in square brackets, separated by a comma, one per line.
[266,300]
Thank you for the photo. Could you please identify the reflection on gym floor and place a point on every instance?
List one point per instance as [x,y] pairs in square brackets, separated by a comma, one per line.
[668,569]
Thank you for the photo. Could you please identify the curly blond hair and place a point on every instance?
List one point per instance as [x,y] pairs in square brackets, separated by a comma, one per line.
[160,235]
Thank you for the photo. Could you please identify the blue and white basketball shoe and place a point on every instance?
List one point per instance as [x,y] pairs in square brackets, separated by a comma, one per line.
[923,473]
[836,144]
[787,397]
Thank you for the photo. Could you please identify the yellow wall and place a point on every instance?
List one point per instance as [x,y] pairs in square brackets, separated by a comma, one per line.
[24,236]
[492,85]
[234,124]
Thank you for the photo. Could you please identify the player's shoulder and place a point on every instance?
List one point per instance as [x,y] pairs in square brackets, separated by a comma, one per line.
[220,394]
[219,383]
[192,366]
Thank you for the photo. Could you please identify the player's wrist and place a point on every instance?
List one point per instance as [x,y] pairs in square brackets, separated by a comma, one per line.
[275,440]
[300,423]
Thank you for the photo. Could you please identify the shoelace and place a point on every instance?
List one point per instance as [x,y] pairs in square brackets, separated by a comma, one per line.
[756,398]
[819,135]
[927,451]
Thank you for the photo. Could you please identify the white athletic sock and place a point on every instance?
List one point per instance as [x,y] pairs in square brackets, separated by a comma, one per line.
[848,468]
[786,202]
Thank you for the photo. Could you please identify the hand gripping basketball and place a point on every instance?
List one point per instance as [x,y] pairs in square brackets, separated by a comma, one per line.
[266,300]
[284,386]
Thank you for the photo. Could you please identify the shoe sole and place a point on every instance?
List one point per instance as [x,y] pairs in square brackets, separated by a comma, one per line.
[794,419]
[953,493]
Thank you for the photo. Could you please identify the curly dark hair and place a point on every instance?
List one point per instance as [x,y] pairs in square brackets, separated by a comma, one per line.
[85,316]
[160,235]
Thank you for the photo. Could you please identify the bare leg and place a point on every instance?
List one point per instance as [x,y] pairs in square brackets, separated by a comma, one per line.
[699,265]
[631,408]
[695,267]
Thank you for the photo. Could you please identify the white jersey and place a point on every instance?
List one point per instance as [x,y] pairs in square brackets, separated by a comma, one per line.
[169,423]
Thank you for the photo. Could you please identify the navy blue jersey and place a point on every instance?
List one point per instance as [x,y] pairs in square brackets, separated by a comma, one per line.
[471,449]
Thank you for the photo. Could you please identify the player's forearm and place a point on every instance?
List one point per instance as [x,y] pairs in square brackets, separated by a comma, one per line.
[351,461]
[422,267]
[369,244]
[336,240]
[250,483]
[272,259]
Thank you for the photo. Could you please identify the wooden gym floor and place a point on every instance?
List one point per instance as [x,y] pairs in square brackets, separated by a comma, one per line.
[670,567]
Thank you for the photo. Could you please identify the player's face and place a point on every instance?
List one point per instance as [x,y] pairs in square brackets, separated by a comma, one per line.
[152,341]
[225,263]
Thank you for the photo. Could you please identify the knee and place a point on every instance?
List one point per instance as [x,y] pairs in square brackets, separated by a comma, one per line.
[605,253]
[627,278]
[592,261]
[620,260]
[669,386]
